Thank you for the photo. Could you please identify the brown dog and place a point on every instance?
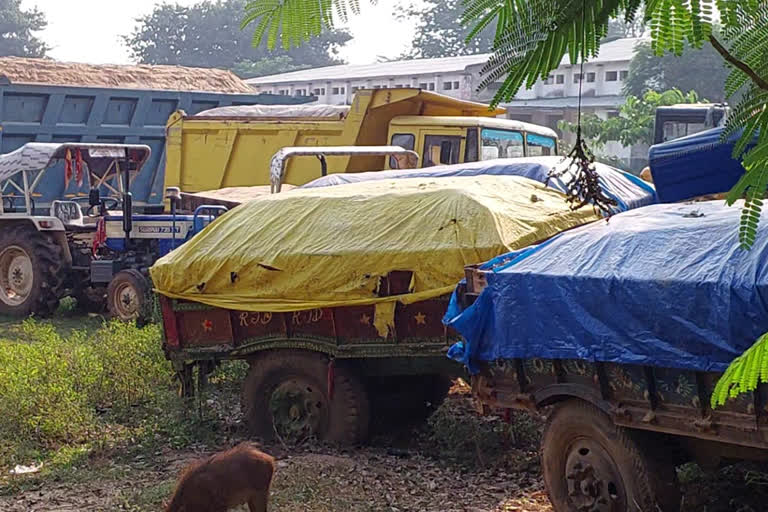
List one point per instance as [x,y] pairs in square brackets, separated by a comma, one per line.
[225,480]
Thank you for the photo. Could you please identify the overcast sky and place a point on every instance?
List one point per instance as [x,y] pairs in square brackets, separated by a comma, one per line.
[90,30]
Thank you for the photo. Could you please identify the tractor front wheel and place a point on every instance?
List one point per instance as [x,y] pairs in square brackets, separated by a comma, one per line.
[31,274]
[127,295]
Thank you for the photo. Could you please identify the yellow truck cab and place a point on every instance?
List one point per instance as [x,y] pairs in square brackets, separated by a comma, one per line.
[232,146]
[456,139]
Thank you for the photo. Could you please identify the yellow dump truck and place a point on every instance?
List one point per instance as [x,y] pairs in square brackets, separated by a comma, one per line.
[232,146]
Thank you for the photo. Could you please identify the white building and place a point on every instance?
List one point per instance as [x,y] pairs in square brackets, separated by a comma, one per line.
[546,103]
[336,84]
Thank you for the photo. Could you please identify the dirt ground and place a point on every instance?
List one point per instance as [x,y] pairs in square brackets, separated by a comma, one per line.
[396,473]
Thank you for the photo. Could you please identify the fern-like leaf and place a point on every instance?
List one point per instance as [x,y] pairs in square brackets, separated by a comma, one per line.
[292,22]
[746,31]
[743,374]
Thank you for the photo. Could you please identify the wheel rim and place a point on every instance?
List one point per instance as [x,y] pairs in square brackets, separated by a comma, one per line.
[298,409]
[594,480]
[16,275]
[126,301]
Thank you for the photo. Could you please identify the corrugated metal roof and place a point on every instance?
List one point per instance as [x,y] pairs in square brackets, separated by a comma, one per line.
[617,50]
[413,67]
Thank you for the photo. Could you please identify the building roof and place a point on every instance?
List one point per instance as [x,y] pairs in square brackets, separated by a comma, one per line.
[616,50]
[413,67]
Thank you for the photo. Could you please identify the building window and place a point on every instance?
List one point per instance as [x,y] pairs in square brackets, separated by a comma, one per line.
[611,76]
[456,85]
[355,88]
[422,85]
[560,79]
[447,86]
[343,90]
[335,90]
[576,78]
[549,80]
[431,86]
[590,77]
[300,92]
[320,91]
[283,92]
[623,75]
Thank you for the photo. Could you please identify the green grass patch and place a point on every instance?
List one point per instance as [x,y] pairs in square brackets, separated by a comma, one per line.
[71,395]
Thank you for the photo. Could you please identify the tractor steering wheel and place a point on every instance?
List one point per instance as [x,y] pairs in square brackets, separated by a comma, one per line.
[110,203]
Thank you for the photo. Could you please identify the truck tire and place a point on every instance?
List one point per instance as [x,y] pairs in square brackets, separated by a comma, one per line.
[31,272]
[286,394]
[591,465]
[127,295]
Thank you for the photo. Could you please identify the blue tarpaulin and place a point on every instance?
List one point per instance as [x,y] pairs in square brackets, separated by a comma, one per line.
[695,165]
[666,285]
[628,190]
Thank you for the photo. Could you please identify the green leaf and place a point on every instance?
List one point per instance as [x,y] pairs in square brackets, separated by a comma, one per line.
[743,374]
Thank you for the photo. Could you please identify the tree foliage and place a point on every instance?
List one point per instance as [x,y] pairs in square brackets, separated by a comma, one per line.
[440,33]
[702,70]
[17,29]
[208,34]
[635,122]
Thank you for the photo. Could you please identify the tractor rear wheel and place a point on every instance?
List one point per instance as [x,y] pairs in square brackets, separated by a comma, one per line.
[31,272]
[127,295]
[286,394]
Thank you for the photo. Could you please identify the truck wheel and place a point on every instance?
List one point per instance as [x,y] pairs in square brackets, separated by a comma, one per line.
[591,465]
[127,294]
[31,274]
[286,393]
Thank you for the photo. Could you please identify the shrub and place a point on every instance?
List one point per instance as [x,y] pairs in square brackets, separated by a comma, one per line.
[459,434]
[52,387]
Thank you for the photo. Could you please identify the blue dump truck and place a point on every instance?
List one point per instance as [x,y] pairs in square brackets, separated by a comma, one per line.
[58,114]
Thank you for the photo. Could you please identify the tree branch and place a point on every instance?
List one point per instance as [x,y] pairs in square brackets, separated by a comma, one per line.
[722,50]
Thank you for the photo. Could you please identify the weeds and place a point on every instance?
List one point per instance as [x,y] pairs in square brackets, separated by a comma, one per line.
[457,433]
[59,393]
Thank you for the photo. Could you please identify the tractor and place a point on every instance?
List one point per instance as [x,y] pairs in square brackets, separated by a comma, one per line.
[91,245]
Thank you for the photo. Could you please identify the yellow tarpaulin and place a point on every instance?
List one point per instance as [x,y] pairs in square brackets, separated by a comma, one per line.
[326,247]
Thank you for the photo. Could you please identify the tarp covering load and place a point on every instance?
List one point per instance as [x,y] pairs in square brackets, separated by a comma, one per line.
[331,246]
[629,191]
[665,286]
[696,165]
[278,111]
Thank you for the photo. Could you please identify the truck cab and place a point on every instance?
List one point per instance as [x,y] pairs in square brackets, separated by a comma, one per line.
[445,140]
[675,121]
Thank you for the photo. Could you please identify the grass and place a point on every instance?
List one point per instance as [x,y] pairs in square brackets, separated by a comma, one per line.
[73,392]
